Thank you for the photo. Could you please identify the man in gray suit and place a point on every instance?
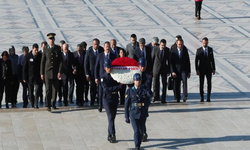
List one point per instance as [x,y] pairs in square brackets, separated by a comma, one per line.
[131,48]
[160,59]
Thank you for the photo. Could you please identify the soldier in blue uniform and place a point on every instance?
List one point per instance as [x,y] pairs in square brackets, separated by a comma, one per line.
[110,99]
[145,83]
[136,108]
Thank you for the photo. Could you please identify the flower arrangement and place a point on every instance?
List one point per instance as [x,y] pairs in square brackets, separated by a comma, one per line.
[125,61]
[123,70]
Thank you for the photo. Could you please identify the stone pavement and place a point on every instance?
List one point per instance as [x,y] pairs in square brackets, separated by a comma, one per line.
[222,124]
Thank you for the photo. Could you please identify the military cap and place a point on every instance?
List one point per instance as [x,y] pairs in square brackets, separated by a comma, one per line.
[142,41]
[137,77]
[107,63]
[155,40]
[51,35]
[142,62]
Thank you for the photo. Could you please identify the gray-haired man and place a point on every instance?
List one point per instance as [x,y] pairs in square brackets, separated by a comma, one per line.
[154,42]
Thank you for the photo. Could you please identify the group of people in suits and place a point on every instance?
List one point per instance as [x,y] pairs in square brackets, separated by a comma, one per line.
[175,63]
[59,69]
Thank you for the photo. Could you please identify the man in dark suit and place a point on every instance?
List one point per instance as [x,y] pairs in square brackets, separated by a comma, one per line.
[99,70]
[180,69]
[143,51]
[154,43]
[114,49]
[31,74]
[160,59]
[89,66]
[60,82]
[131,48]
[43,44]
[86,83]
[205,66]
[51,67]
[80,74]
[21,58]
[174,46]
[68,69]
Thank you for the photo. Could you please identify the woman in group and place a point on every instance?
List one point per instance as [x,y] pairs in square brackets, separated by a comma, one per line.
[5,78]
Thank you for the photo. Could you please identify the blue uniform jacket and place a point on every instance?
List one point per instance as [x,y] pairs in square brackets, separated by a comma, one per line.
[145,82]
[110,89]
[140,95]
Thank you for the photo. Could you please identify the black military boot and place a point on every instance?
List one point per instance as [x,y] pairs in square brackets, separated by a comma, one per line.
[113,138]
[144,137]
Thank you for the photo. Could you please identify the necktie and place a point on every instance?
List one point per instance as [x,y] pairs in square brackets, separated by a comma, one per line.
[96,53]
[161,54]
[205,52]
[80,59]
[142,54]
[107,56]
[180,53]
[65,58]
[134,47]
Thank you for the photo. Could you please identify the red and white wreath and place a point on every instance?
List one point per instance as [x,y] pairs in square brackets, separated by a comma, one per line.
[123,70]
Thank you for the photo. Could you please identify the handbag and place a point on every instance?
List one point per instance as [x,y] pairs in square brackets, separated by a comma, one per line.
[170,83]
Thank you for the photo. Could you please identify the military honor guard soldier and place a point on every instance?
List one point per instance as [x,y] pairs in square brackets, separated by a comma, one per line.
[51,66]
[110,99]
[136,108]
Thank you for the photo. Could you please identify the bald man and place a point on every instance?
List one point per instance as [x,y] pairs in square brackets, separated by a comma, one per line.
[68,71]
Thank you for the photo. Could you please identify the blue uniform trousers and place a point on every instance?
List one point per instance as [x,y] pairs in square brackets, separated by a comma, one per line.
[111,109]
[138,127]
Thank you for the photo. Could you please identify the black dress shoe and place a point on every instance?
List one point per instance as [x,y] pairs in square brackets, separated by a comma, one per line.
[66,105]
[184,99]
[202,99]
[144,137]
[112,138]
[86,100]
[36,107]
[41,102]
[49,109]
[71,102]
[137,148]
[13,105]
[163,101]
[80,105]
[178,100]
[7,105]
[109,137]
[208,100]
[100,109]
[54,107]
[24,106]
